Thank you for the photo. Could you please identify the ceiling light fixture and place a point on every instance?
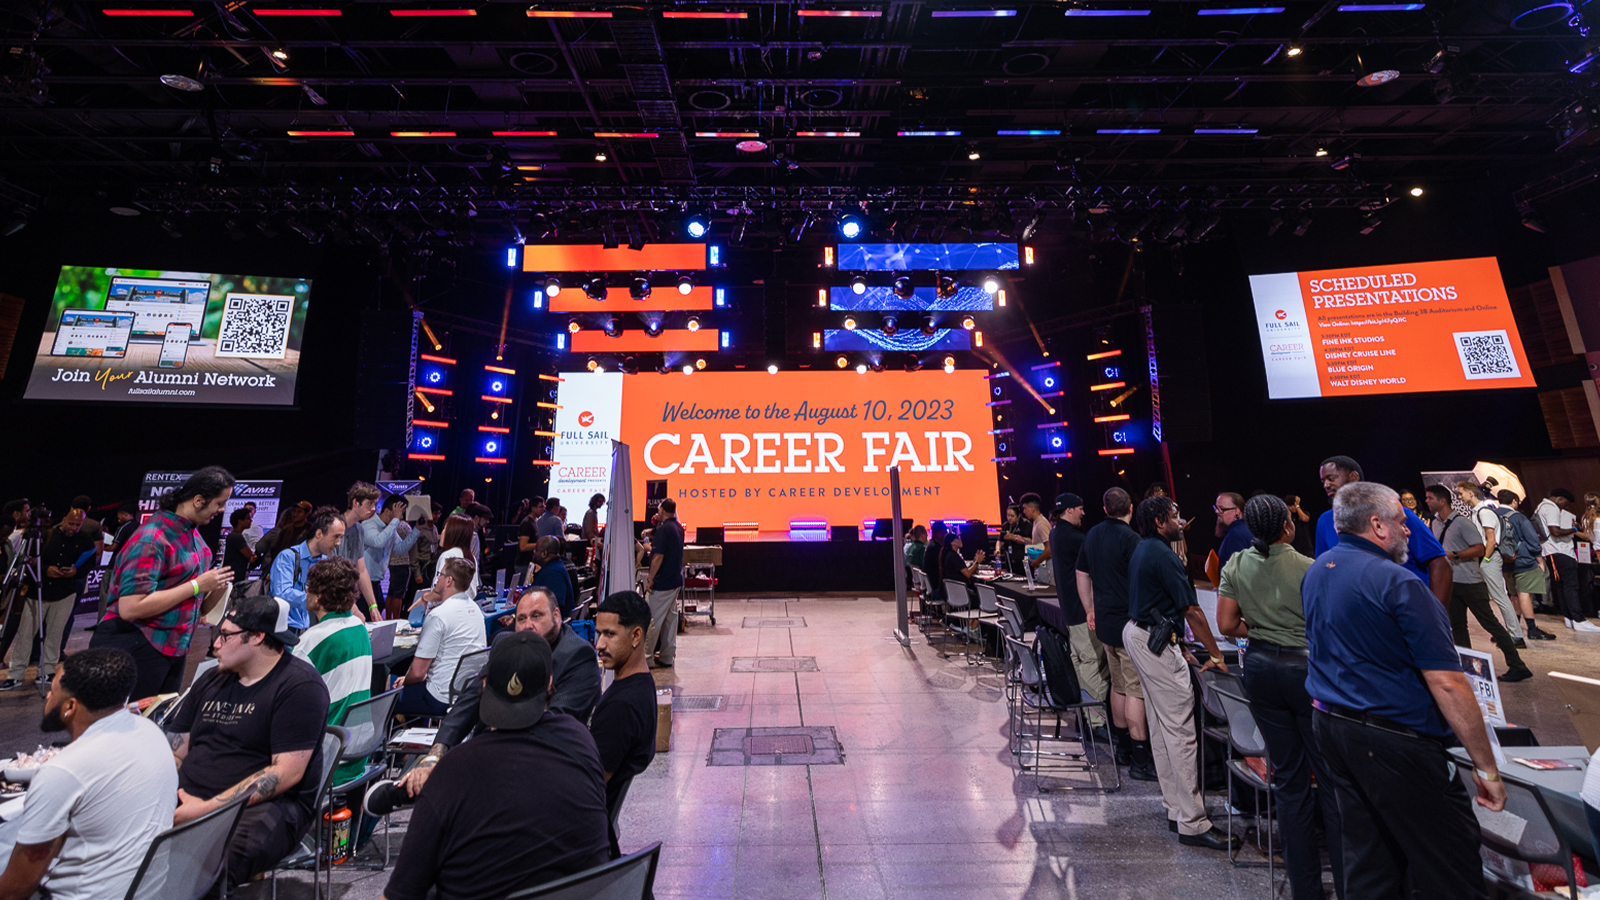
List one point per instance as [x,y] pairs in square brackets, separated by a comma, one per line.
[772,368]
[595,287]
[697,225]
[849,323]
[991,284]
[1294,50]
[640,289]
[968,323]
[567,14]
[841,13]
[851,227]
[890,326]
[685,284]
[903,287]
[700,363]
[1241,10]
[841,361]
[679,14]
[1106,13]
[693,324]
[1127,131]
[552,287]
[573,327]
[858,285]
[974,13]
[861,368]
[151,13]
[523,133]
[182,83]
[928,134]
[600,156]
[296,12]
[1416,191]
[973,153]
[421,13]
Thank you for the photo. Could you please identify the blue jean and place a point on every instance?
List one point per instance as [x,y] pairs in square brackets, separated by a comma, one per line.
[414,700]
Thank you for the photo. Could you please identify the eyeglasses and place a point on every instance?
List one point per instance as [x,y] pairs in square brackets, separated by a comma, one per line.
[222,636]
[1224,509]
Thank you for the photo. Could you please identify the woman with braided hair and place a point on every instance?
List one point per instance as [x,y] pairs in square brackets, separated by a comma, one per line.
[1259,599]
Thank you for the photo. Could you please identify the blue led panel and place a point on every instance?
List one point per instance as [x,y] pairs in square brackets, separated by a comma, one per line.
[910,340]
[916,257]
[923,298]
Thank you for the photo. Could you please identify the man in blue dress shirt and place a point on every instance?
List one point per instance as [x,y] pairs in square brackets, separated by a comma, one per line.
[292,567]
[1425,555]
[1388,696]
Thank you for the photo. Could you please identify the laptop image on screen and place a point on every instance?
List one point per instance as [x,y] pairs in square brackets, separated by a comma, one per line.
[159,302]
[92,332]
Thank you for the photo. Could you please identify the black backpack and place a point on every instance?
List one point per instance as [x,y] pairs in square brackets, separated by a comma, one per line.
[1055,659]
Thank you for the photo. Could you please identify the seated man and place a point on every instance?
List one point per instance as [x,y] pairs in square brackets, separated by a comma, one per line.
[252,727]
[452,629]
[624,724]
[92,810]
[338,646]
[552,573]
[477,835]
[577,688]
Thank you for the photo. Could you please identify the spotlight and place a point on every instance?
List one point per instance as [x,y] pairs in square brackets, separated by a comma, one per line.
[1294,50]
[968,323]
[772,368]
[630,365]
[280,54]
[685,284]
[903,288]
[600,156]
[973,154]
[1322,151]
[930,326]
[594,364]
[182,83]
[949,365]
[946,288]
[495,414]
[991,284]
[693,324]
[849,323]
[877,364]
[700,363]
[552,287]
[1303,226]
[858,285]
[595,288]
[841,361]
[1530,217]
[688,370]
[573,327]
[1416,192]
[613,327]
[890,326]
[851,226]
[861,368]
[697,226]
[640,289]
[652,327]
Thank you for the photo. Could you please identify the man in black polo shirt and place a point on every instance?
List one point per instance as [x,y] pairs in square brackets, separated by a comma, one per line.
[1066,542]
[666,580]
[473,835]
[624,724]
[1102,571]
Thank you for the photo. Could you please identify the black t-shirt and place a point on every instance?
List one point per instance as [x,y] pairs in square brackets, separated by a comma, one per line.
[624,729]
[1107,549]
[504,811]
[1157,585]
[528,531]
[233,555]
[234,730]
[951,564]
[63,550]
[1066,542]
[668,544]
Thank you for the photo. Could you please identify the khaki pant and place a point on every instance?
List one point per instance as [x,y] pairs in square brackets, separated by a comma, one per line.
[663,625]
[1495,578]
[1089,660]
[1169,705]
[56,615]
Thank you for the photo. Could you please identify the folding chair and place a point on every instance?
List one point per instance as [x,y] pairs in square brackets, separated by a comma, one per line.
[368,724]
[1036,697]
[628,878]
[959,599]
[1244,737]
[468,667]
[1009,627]
[1210,680]
[1540,840]
[183,863]
[989,606]
[312,849]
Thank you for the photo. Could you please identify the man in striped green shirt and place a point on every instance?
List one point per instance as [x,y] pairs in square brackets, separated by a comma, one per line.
[337,645]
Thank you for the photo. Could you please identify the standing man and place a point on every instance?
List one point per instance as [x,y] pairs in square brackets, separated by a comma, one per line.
[527,536]
[1424,556]
[465,500]
[253,532]
[238,553]
[1464,547]
[1066,542]
[624,724]
[1386,683]
[1555,511]
[666,580]
[1033,511]
[361,504]
[550,524]
[1102,577]
[1160,595]
[91,527]
[291,569]
[1527,575]
[1231,527]
[64,547]
[388,541]
[1492,565]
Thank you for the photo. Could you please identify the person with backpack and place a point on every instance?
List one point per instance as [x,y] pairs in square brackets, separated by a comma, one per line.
[1527,575]
[291,569]
[1496,532]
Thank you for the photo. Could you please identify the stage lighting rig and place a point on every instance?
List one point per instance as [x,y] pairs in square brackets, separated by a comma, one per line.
[991,284]
[697,225]
[700,363]
[693,324]
[841,361]
[652,326]
[685,284]
[594,365]
[930,326]
[552,287]
[772,368]
[613,327]
[595,287]
[890,326]
[851,226]
[946,288]
[968,323]
[858,285]
[861,368]
[688,370]
[903,287]
[640,289]
[849,323]
[573,327]
[949,364]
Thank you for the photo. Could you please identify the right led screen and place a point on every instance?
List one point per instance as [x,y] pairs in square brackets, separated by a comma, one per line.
[1409,328]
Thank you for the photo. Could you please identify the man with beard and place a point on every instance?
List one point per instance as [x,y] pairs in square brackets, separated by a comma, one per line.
[1386,684]
[624,726]
[92,810]
[1424,555]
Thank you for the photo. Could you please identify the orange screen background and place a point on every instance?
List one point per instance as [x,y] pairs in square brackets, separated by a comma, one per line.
[1425,355]
[840,498]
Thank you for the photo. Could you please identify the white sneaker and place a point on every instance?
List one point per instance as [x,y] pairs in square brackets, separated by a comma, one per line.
[1569,623]
[1585,626]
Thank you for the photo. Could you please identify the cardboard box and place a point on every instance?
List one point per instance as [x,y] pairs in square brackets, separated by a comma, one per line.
[663,720]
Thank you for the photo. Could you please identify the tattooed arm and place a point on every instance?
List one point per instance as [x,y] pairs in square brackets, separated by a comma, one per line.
[284,772]
[27,867]
[180,746]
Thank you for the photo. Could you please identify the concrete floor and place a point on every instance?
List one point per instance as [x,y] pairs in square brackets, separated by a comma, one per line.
[927,803]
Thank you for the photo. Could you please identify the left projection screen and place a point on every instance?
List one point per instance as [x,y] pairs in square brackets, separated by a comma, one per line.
[769,450]
[152,335]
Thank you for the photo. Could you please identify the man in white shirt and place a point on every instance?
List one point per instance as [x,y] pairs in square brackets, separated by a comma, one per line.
[1561,526]
[452,629]
[92,810]
[1033,511]
[1488,522]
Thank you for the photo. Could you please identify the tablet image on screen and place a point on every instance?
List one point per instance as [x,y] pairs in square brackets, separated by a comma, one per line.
[159,302]
[93,332]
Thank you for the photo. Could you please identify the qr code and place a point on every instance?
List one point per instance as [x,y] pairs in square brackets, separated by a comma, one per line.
[1486,354]
[255,326]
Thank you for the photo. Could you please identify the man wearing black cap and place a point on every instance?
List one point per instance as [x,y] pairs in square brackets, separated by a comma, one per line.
[253,727]
[477,836]
[1066,541]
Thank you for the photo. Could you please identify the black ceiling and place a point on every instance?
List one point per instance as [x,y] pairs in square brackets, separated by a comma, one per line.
[83,107]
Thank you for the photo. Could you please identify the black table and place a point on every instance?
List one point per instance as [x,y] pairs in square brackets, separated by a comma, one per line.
[386,667]
[1038,604]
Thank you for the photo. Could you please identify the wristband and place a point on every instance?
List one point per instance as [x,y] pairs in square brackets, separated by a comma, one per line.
[194,585]
[1486,776]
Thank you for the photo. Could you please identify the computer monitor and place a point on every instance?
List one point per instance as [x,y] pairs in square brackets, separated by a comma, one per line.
[93,332]
[159,302]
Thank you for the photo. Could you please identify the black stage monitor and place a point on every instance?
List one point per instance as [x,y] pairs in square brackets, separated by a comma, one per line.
[708,534]
[883,529]
[844,533]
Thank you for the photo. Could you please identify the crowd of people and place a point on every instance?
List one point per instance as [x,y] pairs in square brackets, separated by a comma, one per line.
[290,656]
[1349,629]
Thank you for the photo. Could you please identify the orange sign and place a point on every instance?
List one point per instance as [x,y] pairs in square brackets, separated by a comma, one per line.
[662,299]
[596,258]
[774,449]
[636,340]
[1435,326]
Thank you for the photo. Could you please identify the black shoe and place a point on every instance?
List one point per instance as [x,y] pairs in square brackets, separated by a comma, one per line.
[384,797]
[1517,675]
[1172,826]
[1520,644]
[1539,634]
[1124,755]
[1099,734]
[1211,840]
[10,684]
[1143,771]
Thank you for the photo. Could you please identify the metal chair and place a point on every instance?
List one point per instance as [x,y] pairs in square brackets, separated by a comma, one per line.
[1210,680]
[959,598]
[628,878]
[1527,816]
[368,724]
[989,606]
[311,851]
[183,863]
[1035,696]
[468,667]
[1009,627]
[1244,736]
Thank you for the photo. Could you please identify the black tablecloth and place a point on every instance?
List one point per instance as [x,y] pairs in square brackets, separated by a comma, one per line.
[1035,606]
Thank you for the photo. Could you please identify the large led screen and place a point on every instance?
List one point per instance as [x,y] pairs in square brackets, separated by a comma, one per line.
[749,447]
[149,335]
[1434,326]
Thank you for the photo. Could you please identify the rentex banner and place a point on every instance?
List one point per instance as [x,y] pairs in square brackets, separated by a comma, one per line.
[772,449]
[1434,326]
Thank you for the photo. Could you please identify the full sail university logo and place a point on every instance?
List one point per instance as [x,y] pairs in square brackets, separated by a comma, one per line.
[1281,315]
[585,418]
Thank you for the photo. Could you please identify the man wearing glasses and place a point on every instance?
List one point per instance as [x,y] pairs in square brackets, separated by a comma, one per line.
[253,727]
[1235,534]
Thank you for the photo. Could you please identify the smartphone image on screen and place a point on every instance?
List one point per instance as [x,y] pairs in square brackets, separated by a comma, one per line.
[175,346]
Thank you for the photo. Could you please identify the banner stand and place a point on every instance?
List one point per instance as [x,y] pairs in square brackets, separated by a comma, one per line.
[902,632]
